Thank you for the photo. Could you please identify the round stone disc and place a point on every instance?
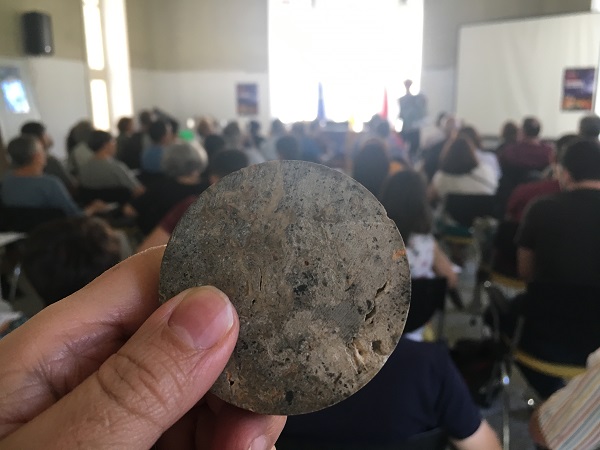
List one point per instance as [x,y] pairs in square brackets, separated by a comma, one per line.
[317,273]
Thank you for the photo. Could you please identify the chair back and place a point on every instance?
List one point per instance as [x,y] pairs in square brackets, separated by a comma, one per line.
[465,208]
[23,220]
[428,296]
[152,180]
[561,322]
[504,259]
[120,195]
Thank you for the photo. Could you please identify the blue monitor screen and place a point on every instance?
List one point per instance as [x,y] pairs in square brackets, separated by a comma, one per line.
[15,96]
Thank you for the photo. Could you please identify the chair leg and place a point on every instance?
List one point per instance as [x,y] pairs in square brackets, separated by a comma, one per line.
[505,406]
[14,282]
[440,327]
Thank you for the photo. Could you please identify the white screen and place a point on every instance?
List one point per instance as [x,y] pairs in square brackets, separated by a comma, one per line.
[15,96]
[510,70]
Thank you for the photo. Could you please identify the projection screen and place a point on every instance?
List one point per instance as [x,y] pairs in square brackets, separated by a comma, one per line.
[513,69]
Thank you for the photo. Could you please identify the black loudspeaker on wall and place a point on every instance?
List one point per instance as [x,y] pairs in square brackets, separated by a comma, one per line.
[37,33]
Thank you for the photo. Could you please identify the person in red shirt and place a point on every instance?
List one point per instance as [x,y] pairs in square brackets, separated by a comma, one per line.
[524,194]
[529,153]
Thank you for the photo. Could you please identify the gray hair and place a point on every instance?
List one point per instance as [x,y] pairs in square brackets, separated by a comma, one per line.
[21,150]
[183,159]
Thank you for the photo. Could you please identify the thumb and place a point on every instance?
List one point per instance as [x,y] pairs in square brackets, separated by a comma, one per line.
[152,381]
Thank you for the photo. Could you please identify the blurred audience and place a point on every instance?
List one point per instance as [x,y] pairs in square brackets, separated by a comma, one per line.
[484,157]
[182,164]
[161,136]
[27,186]
[268,148]
[461,172]
[78,152]
[224,163]
[53,165]
[126,128]
[63,256]
[371,165]
[103,171]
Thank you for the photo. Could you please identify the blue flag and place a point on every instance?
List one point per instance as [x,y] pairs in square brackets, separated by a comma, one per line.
[321,105]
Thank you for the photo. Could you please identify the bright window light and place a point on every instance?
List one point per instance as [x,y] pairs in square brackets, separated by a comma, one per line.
[117,53]
[100,114]
[92,22]
[356,49]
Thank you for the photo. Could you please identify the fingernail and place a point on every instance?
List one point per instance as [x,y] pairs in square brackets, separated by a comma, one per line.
[203,317]
[260,443]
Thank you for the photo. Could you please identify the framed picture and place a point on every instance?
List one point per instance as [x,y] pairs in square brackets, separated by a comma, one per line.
[578,89]
[247,99]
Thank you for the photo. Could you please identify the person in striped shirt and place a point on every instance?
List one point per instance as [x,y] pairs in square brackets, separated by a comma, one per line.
[570,418]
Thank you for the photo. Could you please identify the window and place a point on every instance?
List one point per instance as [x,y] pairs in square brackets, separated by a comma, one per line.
[356,50]
[108,61]
[93,34]
[100,113]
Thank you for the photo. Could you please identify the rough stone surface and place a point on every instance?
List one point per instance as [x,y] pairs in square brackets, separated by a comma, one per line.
[318,275]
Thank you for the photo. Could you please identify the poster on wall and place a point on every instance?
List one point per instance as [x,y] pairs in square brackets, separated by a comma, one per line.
[578,89]
[247,99]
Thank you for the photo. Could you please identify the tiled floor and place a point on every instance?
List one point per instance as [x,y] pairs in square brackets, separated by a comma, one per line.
[467,325]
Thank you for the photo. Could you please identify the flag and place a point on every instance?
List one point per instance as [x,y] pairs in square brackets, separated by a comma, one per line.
[384,109]
[321,105]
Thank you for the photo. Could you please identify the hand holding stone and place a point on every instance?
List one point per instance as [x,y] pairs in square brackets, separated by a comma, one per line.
[106,368]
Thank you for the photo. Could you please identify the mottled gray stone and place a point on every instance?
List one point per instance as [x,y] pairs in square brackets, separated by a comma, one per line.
[318,275]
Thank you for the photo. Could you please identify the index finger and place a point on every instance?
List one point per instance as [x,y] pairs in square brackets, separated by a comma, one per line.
[57,349]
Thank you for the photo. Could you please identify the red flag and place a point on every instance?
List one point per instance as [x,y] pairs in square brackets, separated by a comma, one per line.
[384,110]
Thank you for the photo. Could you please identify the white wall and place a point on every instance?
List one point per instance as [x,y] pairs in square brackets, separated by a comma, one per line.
[62,92]
[58,88]
[188,94]
[439,85]
[513,69]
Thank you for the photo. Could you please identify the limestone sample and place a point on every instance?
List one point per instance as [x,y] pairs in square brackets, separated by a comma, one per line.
[317,273]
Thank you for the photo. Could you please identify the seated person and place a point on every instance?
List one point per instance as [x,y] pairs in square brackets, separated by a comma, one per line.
[213,144]
[77,148]
[558,242]
[461,172]
[234,140]
[81,356]
[268,147]
[371,165]
[523,161]
[569,419]
[525,193]
[529,153]
[103,171]
[126,128]
[431,154]
[26,185]
[134,145]
[53,165]
[484,157]
[161,135]
[288,149]
[553,246]
[63,256]
[183,164]
[404,197]
[418,389]
[405,200]
[589,127]
[224,163]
